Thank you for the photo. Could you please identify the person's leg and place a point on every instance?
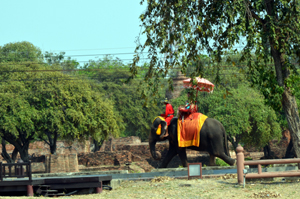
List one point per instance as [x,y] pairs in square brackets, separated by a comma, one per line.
[165,132]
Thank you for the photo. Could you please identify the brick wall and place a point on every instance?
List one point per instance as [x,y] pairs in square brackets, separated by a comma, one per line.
[137,153]
[111,143]
[61,163]
[39,148]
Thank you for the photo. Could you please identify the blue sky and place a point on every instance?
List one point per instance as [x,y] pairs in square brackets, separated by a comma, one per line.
[75,27]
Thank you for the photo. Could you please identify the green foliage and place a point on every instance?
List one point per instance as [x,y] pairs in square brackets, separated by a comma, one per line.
[244,116]
[20,51]
[46,105]
[54,58]
[220,162]
[242,112]
[267,33]
[135,116]
[217,27]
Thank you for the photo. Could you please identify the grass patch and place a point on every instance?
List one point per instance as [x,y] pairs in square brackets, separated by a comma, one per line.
[220,162]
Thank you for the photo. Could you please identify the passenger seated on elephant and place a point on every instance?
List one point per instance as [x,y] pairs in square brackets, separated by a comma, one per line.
[187,105]
[190,106]
[168,115]
[186,110]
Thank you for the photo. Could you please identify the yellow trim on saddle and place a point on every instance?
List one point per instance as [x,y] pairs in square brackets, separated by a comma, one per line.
[187,143]
[158,131]
[160,117]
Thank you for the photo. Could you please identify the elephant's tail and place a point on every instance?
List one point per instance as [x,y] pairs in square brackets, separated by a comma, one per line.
[226,143]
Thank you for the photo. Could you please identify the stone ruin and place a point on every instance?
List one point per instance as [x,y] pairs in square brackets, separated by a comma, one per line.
[127,153]
[130,153]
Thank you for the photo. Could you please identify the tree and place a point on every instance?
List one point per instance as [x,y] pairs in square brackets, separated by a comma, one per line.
[59,60]
[20,52]
[135,116]
[269,28]
[242,111]
[245,117]
[71,109]
[17,120]
[38,104]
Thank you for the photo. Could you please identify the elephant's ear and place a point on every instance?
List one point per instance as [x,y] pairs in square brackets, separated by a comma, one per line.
[158,131]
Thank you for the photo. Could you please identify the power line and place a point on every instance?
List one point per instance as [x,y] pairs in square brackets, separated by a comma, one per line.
[94,49]
[102,54]
[62,62]
[88,69]
[98,54]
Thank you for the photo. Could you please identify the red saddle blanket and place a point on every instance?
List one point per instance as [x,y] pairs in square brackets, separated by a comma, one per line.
[189,129]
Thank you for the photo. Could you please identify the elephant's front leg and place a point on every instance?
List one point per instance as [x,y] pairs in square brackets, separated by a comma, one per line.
[171,153]
[182,156]
[212,160]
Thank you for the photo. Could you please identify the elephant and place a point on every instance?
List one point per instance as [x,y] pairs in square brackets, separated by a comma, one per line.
[212,137]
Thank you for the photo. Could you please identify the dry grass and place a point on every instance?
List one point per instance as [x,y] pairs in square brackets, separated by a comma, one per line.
[223,187]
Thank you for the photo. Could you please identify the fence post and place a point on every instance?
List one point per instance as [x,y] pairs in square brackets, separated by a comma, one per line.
[29,190]
[240,163]
[99,189]
[1,177]
[19,170]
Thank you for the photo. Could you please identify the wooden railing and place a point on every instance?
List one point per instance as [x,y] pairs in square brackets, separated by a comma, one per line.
[242,174]
[10,170]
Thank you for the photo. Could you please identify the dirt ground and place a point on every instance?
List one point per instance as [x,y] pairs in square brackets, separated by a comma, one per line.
[225,187]
[222,187]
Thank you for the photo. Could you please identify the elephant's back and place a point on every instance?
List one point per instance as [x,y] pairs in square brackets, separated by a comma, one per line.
[211,127]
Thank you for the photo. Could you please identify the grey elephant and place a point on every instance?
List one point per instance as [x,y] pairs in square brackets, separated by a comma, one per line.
[213,139]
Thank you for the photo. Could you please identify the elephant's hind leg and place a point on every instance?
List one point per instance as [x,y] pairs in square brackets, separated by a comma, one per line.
[218,151]
[171,153]
[227,159]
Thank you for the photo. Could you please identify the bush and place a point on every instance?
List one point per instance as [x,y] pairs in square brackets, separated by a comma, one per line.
[247,158]
[220,162]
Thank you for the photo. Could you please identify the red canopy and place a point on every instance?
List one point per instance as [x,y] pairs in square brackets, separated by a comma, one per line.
[203,85]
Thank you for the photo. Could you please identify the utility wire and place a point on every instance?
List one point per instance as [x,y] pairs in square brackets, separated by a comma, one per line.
[94,49]
[87,70]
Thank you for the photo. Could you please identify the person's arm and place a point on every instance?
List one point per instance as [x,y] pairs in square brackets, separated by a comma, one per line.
[192,105]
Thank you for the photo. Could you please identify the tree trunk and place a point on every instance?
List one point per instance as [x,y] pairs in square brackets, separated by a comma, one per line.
[5,155]
[267,151]
[14,154]
[290,153]
[291,112]
[53,148]
[97,145]
[289,104]
[24,153]
[52,141]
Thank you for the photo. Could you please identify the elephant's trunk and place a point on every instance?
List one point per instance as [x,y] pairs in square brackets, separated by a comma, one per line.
[155,154]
